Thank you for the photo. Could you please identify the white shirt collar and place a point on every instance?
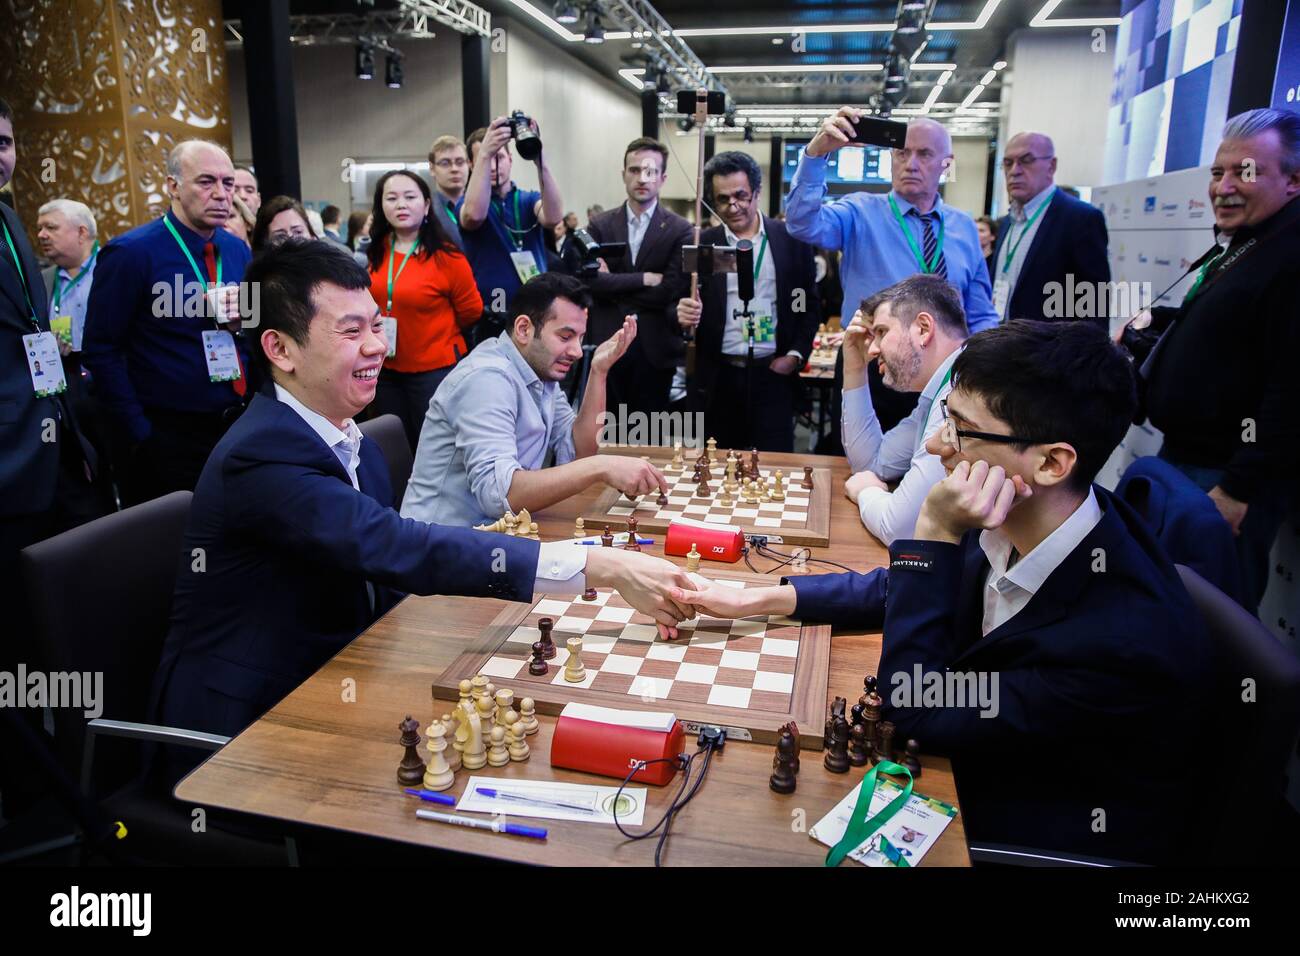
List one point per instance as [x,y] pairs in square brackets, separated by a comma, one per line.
[321,425]
[1029,208]
[1034,568]
[634,219]
[732,238]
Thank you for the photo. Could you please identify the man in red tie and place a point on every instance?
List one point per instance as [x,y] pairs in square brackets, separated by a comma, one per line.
[164,333]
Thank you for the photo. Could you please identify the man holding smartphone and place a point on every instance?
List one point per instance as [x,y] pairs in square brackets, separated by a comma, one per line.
[886,237]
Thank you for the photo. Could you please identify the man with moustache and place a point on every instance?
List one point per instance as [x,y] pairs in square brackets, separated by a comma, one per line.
[1221,382]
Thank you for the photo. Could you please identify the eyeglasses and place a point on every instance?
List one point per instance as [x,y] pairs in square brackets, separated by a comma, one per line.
[952,435]
[1025,162]
[451,163]
[739,199]
[644,172]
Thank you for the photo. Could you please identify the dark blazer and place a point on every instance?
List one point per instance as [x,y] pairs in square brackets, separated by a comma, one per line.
[1184,521]
[288,546]
[1101,686]
[28,465]
[622,290]
[795,271]
[1071,239]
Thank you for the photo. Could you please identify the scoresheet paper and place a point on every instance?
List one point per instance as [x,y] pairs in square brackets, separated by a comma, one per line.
[912,830]
[537,798]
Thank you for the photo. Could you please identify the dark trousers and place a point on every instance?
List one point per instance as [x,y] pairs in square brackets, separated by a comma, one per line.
[1264,516]
[76,501]
[754,411]
[891,406]
[407,395]
[636,384]
[173,456]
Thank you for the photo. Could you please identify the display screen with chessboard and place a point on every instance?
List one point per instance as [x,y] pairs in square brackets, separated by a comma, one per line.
[756,499]
[754,674]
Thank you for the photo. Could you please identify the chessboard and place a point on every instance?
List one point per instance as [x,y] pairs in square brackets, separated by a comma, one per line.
[803,518]
[750,676]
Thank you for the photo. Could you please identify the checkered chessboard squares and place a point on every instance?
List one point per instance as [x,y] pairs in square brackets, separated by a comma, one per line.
[747,664]
[683,503]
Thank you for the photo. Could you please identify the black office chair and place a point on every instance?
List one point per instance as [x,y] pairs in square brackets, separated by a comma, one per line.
[101,602]
[387,432]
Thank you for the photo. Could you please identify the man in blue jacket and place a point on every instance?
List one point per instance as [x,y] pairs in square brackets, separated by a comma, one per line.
[293,546]
[1034,631]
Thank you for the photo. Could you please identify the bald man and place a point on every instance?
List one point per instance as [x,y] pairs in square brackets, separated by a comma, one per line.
[1050,259]
[887,237]
[164,347]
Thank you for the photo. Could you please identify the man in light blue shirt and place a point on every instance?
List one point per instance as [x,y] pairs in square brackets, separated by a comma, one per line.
[496,419]
[66,231]
[914,330]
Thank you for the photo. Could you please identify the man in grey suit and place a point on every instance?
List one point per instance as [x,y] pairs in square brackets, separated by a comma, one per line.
[647,281]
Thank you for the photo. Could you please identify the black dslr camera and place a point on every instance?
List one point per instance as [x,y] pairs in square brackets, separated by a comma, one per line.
[589,250]
[526,139]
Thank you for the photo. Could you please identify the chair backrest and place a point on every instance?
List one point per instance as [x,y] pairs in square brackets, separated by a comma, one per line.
[1255,703]
[389,434]
[101,597]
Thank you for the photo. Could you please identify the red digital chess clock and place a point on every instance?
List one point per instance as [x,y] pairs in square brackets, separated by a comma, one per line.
[719,542]
[610,742]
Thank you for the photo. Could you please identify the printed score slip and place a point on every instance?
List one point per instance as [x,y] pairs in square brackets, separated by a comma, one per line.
[553,801]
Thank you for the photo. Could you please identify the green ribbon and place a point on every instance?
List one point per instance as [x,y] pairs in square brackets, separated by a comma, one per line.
[392,279]
[204,279]
[1200,276]
[926,267]
[1011,252]
[860,828]
[22,276]
[58,284]
[516,234]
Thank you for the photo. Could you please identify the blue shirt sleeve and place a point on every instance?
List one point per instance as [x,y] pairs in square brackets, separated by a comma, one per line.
[825,225]
[485,436]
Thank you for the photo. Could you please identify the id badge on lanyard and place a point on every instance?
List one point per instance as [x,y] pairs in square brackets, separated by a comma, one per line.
[220,355]
[43,364]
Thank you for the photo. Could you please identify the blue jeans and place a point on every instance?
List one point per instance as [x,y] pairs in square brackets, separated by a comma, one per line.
[1259,528]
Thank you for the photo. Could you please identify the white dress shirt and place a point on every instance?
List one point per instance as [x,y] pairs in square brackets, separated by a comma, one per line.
[897,454]
[1017,233]
[560,566]
[1008,590]
[636,228]
[734,338]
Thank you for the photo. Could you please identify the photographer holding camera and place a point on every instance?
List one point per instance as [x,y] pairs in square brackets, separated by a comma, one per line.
[646,280]
[503,227]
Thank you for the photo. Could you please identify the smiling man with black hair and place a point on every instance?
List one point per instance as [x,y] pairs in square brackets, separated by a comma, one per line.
[1028,576]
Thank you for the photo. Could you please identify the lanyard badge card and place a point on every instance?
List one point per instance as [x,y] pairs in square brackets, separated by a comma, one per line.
[43,363]
[389,320]
[220,355]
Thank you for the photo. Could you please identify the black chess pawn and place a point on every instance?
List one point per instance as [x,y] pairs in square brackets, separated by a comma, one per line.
[544,627]
[537,666]
[855,713]
[410,773]
[783,774]
[859,753]
[912,758]
[884,742]
[837,756]
[662,500]
[589,594]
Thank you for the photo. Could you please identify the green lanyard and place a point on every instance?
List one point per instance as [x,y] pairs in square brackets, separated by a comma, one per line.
[1011,252]
[516,234]
[946,379]
[1200,276]
[451,213]
[859,828]
[911,243]
[758,259]
[58,285]
[22,276]
[185,249]
[392,279]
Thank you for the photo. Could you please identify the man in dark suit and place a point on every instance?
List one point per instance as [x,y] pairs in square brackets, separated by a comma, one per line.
[293,546]
[645,282]
[46,473]
[1033,623]
[749,402]
[1050,246]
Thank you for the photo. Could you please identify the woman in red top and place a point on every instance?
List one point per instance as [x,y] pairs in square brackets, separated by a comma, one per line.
[425,289]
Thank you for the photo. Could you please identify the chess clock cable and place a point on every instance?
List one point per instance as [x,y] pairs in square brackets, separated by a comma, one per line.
[711,739]
[759,544]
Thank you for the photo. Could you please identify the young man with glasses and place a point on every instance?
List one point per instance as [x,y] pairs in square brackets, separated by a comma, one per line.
[449,166]
[886,237]
[1025,577]
[747,396]
[1048,244]
[646,282]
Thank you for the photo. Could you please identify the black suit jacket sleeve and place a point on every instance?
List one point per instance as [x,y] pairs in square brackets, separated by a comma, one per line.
[1089,244]
[313,513]
[612,283]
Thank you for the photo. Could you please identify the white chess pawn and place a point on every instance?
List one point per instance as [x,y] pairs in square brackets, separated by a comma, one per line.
[678,461]
[473,756]
[519,749]
[528,715]
[579,529]
[692,559]
[487,713]
[574,671]
[778,488]
[505,705]
[438,775]
[452,754]
[498,756]
[466,690]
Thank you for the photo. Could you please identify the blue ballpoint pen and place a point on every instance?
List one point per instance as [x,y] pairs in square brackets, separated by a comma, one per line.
[429,796]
